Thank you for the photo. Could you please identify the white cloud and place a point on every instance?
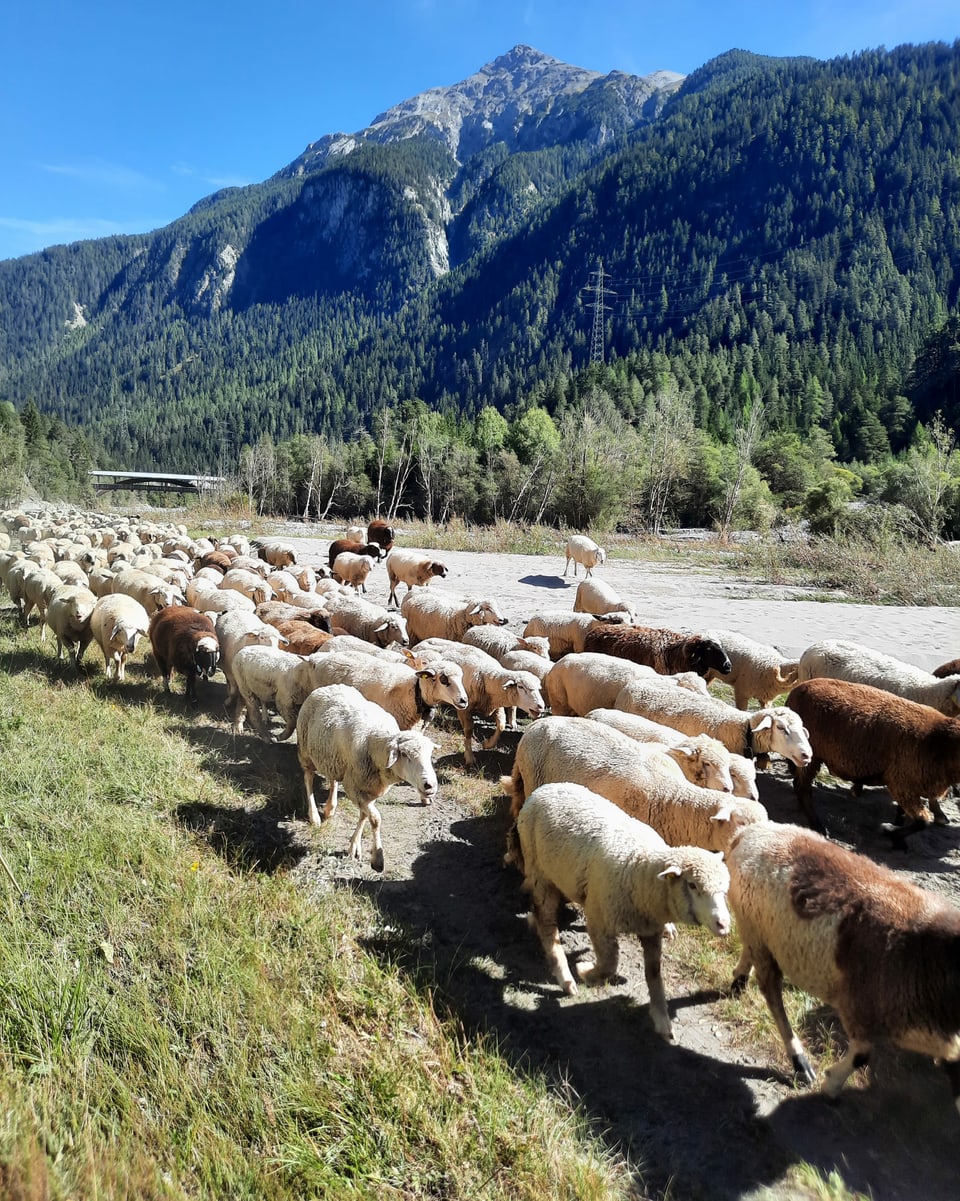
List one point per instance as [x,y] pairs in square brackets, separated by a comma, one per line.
[206,177]
[101,172]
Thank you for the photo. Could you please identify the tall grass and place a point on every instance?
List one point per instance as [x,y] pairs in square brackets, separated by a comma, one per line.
[176,1021]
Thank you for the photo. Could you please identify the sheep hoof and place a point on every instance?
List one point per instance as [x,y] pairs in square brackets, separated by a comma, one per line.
[570,988]
[802,1068]
[376,861]
[669,930]
[738,984]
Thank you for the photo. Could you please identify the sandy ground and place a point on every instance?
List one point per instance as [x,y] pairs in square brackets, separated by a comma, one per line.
[714,1116]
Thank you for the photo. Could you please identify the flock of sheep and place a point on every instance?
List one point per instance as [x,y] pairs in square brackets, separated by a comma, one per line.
[637,798]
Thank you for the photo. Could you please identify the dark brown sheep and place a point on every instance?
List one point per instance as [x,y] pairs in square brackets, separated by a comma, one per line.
[378,531]
[372,549]
[947,669]
[186,641]
[217,559]
[666,651]
[273,612]
[871,736]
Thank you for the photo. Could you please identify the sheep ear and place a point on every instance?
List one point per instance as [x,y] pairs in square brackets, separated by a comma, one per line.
[764,724]
[689,751]
[475,609]
[283,641]
[380,629]
[723,814]
[115,631]
[426,673]
[393,754]
[510,684]
[671,870]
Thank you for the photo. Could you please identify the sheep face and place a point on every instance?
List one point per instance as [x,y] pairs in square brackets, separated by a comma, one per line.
[443,685]
[392,629]
[710,655]
[528,695]
[701,883]
[785,732]
[485,613]
[409,759]
[207,657]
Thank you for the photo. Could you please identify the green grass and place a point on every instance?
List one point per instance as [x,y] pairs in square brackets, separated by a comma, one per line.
[176,1021]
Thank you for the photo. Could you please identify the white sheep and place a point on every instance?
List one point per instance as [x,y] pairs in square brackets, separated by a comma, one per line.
[576,846]
[702,759]
[772,730]
[597,596]
[490,688]
[262,676]
[39,588]
[498,641]
[152,592]
[567,631]
[880,950]
[841,660]
[413,568]
[583,550]
[365,620]
[208,597]
[407,693]
[637,778]
[352,742]
[275,551]
[431,613]
[589,680]
[239,629]
[352,569]
[118,622]
[248,583]
[757,670]
[68,615]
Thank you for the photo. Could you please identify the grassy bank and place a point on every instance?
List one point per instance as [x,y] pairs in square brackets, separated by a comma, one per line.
[177,1022]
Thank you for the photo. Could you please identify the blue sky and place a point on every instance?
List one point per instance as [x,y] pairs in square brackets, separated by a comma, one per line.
[116,116]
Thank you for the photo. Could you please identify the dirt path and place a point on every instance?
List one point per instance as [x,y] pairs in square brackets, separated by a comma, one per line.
[711,1117]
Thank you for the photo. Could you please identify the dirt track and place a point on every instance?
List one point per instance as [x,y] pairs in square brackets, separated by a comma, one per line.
[708,1117]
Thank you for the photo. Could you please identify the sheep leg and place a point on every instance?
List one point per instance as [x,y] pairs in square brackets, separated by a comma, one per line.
[857,1056]
[545,901]
[498,722]
[466,723]
[659,1013]
[368,813]
[309,779]
[510,718]
[330,807]
[770,979]
[939,817]
[900,834]
[803,791]
[606,951]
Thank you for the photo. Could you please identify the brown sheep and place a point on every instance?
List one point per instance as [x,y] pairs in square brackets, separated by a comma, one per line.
[186,641]
[302,637]
[870,736]
[372,549]
[666,651]
[378,531]
[273,612]
[947,669]
[217,559]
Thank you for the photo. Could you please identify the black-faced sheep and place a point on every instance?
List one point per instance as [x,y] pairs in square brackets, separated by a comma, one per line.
[666,651]
[576,846]
[185,641]
[883,952]
[870,736]
[351,741]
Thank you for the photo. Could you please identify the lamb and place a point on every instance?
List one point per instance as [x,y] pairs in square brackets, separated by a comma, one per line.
[235,630]
[870,736]
[566,631]
[638,779]
[666,651]
[413,568]
[352,569]
[118,623]
[275,551]
[757,670]
[772,730]
[436,614]
[741,772]
[68,615]
[597,596]
[186,641]
[703,760]
[352,741]
[583,550]
[408,694]
[364,620]
[581,682]
[380,532]
[248,583]
[576,846]
[370,550]
[841,660]
[490,688]
[879,949]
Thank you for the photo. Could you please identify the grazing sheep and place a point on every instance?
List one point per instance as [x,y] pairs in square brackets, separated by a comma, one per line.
[585,681]
[703,760]
[666,651]
[881,951]
[118,622]
[39,588]
[352,569]
[364,620]
[639,779]
[370,550]
[184,640]
[276,611]
[774,730]
[490,688]
[275,551]
[220,560]
[407,693]
[597,596]
[352,742]
[380,532]
[436,614]
[584,551]
[758,671]
[566,631]
[840,660]
[413,568]
[577,847]
[68,615]
[870,736]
